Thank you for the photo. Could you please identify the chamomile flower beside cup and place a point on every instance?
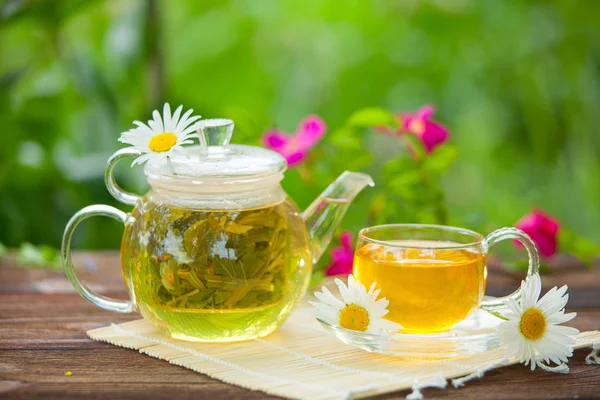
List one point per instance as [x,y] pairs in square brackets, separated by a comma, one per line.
[358,309]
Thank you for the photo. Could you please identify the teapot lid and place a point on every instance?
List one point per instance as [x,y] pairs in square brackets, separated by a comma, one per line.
[216,162]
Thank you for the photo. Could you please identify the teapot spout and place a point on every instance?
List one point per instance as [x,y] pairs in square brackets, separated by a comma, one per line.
[325,213]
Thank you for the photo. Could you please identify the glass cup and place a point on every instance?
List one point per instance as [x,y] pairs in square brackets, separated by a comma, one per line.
[433,275]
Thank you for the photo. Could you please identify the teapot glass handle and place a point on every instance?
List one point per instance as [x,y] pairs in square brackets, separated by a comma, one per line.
[107,303]
[109,177]
[534,261]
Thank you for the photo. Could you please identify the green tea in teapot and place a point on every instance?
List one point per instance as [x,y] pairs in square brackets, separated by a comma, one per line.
[214,274]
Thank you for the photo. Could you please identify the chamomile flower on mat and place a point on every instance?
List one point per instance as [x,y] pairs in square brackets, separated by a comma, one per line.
[163,135]
[532,330]
[358,309]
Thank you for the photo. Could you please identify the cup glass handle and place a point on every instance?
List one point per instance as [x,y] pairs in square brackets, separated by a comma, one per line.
[534,261]
[109,177]
[99,300]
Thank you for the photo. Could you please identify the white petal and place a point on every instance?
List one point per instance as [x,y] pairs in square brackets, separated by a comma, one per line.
[530,357]
[328,298]
[533,288]
[563,330]
[560,317]
[551,348]
[140,143]
[560,341]
[142,126]
[514,307]
[383,302]
[514,343]
[346,295]
[138,132]
[182,122]
[375,310]
[167,118]
[158,121]
[359,294]
[376,294]
[134,141]
[155,126]
[553,301]
[321,306]
[508,329]
[187,128]
[351,282]
[372,288]
[182,138]
[509,335]
[143,158]
[176,115]
[331,317]
[190,121]
[528,353]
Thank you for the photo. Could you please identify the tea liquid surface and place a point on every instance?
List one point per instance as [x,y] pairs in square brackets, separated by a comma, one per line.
[430,290]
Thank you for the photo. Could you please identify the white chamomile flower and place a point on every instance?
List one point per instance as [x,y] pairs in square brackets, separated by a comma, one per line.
[163,135]
[532,329]
[358,310]
[174,246]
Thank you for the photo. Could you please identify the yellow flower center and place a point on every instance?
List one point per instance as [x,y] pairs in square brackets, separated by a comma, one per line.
[162,142]
[417,127]
[533,324]
[354,317]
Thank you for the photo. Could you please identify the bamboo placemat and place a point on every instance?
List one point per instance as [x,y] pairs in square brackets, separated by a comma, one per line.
[300,360]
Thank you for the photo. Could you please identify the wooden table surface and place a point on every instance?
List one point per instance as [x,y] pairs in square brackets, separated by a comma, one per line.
[43,324]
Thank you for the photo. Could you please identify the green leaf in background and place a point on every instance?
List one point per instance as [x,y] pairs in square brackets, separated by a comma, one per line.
[401,177]
[345,139]
[403,184]
[372,116]
[396,166]
[31,256]
[3,251]
[414,147]
[583,248]
[440,159]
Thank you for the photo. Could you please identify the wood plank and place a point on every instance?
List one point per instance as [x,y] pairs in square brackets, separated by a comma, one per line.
[101,274]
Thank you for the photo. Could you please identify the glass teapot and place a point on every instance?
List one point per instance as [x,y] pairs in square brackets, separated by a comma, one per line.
[215,251]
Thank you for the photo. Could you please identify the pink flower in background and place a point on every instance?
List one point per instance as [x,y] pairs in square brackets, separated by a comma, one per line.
[294,148]
[342,257]
[420,124]
[543,230]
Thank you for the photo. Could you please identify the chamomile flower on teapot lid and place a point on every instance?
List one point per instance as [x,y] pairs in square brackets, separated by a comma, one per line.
[161,143]
[162,136]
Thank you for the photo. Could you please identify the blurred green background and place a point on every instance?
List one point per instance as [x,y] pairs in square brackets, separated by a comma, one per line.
[517,83]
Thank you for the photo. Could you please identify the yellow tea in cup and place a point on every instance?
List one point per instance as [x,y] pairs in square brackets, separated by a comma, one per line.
[433,275]
[429,290]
